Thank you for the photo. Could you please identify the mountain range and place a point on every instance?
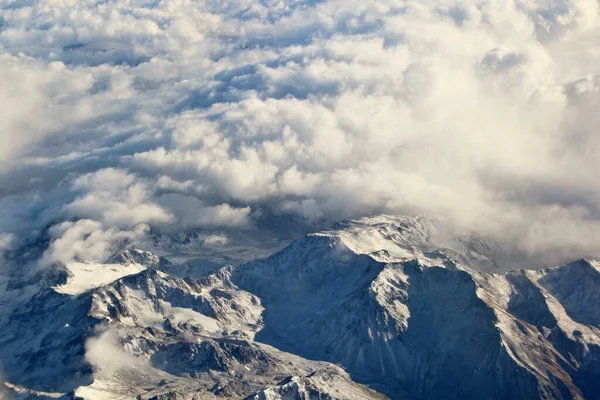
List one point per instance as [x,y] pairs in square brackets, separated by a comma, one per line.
[380,307]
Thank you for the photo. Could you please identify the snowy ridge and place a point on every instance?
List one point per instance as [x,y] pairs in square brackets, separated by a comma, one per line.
[147,334]
[83,276]
[377,319]
[401,238]
[381,298]
[418,321]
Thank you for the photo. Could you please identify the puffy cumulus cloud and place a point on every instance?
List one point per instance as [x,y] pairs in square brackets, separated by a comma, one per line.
[117,199]
[192,212]
[86,239]
[31,94]
[128,115]
[121,199]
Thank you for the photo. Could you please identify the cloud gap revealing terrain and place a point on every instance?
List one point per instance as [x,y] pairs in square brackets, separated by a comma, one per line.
[173,174]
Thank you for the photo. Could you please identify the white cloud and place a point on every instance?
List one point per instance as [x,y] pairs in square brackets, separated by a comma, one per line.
[87,240]
[216,240]
[108,357]
[197,114]
[6,242]
[191,212]
[117,199]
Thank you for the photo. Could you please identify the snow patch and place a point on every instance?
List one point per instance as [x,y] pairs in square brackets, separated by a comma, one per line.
[85,276]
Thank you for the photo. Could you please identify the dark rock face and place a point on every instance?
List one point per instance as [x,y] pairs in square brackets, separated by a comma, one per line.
[45,345]
[190,359]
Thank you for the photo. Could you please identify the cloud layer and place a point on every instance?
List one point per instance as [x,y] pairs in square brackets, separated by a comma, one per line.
[125,116]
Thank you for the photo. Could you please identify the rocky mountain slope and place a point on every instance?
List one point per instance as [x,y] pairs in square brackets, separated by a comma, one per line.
[379,307]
